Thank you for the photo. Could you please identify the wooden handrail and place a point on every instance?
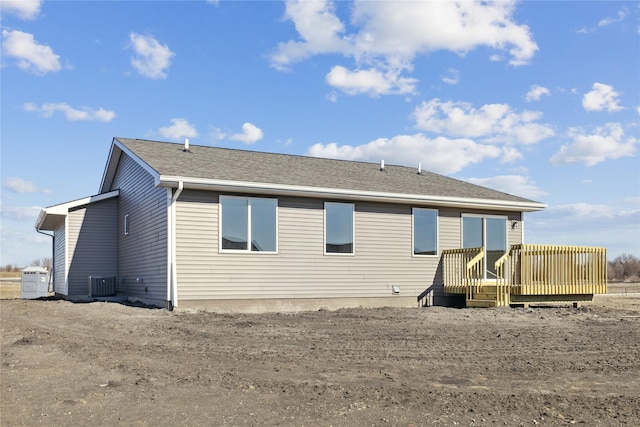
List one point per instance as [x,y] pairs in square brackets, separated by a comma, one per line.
[503,284]
[474,274]
[500,261]
[475,260]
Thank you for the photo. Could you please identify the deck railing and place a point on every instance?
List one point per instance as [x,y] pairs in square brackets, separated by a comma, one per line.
[503,280]
[558,269]
[529,269]
[460,266]
[474,274]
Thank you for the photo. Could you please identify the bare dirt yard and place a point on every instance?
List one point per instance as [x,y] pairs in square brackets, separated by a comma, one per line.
[103,363]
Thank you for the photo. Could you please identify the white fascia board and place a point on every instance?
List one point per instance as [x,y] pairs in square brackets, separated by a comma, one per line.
[117,148]
[63,208]
[110,167]
[342,194]
[41,217]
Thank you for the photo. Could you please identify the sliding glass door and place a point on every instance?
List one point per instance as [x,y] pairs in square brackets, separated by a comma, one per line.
[489,232]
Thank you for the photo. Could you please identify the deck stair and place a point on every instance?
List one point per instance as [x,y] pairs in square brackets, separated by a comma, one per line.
[484,295]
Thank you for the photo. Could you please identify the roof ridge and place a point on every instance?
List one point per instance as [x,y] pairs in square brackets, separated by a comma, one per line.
[305,156]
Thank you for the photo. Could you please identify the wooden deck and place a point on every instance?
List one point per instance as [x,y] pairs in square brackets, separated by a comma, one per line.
[527,273]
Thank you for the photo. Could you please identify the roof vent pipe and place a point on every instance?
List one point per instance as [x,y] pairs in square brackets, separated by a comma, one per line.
[419,168]
[186,145]
[382,165]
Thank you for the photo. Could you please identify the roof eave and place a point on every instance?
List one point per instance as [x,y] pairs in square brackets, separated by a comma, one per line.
[51,215]
[345,194]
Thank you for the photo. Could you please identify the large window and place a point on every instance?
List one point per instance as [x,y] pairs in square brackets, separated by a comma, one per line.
[425,231]
[248,219]
[488,231]
[338,228]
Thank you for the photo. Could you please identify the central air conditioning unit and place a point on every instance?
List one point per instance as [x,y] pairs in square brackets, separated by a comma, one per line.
[100,286]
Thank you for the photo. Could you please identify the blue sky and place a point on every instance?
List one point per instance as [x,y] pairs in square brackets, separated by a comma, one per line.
[538,99]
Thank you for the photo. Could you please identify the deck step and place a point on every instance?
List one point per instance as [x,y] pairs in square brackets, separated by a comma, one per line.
[481,303]
[484,296]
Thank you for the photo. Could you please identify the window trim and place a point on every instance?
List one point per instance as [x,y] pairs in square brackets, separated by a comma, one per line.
[413,233]
[353,230]
[127,224]
[249,228]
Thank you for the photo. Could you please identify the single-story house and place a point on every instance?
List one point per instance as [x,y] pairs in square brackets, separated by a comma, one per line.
[185,226]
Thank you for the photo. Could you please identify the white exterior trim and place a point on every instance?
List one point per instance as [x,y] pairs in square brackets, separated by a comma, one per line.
[346,194]
[63,208]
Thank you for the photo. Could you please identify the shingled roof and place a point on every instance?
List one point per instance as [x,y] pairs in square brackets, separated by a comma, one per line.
[204,165]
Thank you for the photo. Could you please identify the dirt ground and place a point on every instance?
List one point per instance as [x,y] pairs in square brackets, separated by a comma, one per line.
[110,364]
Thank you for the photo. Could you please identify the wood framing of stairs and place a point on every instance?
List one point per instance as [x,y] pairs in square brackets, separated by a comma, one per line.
[486,295]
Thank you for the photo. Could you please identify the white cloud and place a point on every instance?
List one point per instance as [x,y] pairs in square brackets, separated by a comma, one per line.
[614,225]
[604,143]
[31,56]
[389,35]
[19,185]
[536,92]
[250,134]
[494,122]
[452,77]
[333,97]
[407,28]
[20,212]
[180,128]
[24,9]
[593,211]
[518,185]
[71,114]
[152,59]
[439,155]
[510,155]
[319,30]
[622,13]
[20,244]
[372,81]
[601,97]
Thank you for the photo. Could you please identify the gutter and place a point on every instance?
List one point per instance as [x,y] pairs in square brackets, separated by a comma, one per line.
[172,289]
[335,193]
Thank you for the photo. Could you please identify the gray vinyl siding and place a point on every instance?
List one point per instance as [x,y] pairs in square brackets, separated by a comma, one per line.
[143,252]
[59,261]
[92,244]
[383,254]
[514,233]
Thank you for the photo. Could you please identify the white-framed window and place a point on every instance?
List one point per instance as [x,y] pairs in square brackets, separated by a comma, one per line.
[127,224]
[425,232]
[248,224]
[339,232]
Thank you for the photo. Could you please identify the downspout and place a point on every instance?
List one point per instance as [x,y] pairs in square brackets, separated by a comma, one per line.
[53,254]
[172,290]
